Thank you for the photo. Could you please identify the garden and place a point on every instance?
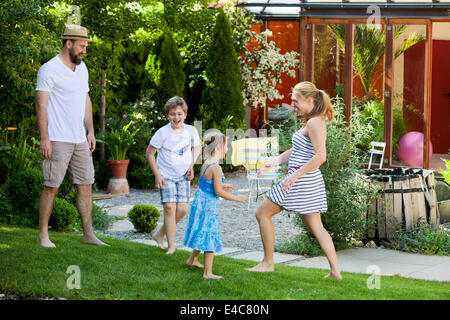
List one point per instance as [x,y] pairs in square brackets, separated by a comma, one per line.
[141,54]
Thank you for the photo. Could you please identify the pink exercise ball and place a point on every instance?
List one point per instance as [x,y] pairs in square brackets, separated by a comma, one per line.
[410,149]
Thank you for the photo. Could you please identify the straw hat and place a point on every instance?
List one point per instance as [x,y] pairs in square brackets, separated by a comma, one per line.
[75,32]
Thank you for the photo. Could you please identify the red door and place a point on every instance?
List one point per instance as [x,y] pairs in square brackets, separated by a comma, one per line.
[440,97]
[440,92]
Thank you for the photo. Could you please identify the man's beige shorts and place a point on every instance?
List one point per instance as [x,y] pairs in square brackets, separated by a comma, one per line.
[73,156]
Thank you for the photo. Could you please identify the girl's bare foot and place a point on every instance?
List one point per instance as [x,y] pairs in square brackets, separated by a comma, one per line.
[194,263]
[211,276]
[170,251]
[262,267]
[334,274]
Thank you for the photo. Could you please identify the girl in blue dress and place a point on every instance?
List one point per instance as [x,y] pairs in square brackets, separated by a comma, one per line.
[203,233]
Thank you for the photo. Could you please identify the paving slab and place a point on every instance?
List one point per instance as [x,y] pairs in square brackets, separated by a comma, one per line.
[413,258]
[370,254]
[229,251]
[259,255]
[440,272]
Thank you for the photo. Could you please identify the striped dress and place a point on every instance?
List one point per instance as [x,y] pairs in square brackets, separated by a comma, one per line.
[307,195]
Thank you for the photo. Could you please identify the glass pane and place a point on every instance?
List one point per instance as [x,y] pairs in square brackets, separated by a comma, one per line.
[409,86]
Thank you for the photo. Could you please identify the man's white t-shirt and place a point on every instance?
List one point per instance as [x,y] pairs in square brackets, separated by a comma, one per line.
[174,149]
[67,103]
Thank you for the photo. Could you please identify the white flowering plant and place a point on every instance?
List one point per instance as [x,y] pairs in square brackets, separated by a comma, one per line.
[262,63]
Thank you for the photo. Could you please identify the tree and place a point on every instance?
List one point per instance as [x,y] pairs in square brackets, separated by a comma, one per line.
[165,70]
[224,92]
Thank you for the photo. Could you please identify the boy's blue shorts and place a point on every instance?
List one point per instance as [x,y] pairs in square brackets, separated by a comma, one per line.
[176,190]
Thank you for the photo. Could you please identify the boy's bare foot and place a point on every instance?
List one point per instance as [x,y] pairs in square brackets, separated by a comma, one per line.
[194,263]
[170,251]
[334,274]
[262,267]
[159,240]
[45,242]
[94,240]
[211,276]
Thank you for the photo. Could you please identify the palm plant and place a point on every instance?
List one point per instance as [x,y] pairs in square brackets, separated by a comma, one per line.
[369,46]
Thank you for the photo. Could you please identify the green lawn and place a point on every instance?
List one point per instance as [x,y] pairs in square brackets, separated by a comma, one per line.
[128,270]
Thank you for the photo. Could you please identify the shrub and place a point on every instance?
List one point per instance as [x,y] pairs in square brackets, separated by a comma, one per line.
[5,208]
[24,191]
[423,238]
[63,215]
[144,217]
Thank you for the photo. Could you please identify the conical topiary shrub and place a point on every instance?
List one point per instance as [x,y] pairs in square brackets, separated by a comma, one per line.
[165,70]
[224,92]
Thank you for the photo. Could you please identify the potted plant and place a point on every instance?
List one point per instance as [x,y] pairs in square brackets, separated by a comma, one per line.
[118,142]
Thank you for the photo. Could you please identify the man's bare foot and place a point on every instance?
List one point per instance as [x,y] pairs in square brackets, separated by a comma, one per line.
[159,240]
[94,240]
[262,267]
[170,251]
[211,276]
[334,274]
[194,263]
[45,242]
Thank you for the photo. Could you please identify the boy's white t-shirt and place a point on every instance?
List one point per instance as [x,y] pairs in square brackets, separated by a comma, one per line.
[174,149]
[67,103]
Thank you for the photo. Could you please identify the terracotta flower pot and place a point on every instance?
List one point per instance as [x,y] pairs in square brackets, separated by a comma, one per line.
[118,168]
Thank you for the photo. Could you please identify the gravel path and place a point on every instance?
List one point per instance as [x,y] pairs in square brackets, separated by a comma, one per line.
[239,227]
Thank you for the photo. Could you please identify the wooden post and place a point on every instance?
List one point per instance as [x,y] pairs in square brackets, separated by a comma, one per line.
[427,95]
[388,91]
[302,47]
[348,71]
[310,53]
[102,114]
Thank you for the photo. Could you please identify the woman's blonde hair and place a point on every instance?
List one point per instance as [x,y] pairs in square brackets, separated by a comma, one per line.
[211,141]
[321,100]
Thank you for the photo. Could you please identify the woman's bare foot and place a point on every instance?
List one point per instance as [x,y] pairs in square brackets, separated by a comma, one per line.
[211,276]
[194,263]
[45,242]
[334,274]
[262,267]
[170,251]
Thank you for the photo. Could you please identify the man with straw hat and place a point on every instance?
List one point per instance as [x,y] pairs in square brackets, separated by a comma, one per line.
[64,114]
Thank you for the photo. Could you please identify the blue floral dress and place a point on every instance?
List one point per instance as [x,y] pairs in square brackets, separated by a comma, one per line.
[203,231]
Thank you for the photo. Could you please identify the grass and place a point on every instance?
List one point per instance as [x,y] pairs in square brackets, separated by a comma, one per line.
[128,270]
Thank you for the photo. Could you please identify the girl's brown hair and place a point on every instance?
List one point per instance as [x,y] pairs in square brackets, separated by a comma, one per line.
[212,140]
[321,100]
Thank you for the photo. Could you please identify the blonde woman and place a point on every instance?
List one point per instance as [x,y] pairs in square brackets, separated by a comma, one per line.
[302,190]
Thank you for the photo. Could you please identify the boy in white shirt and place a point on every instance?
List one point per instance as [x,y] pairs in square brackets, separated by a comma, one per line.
[178,147]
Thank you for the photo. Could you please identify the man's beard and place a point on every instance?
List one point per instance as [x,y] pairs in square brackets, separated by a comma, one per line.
[74,58]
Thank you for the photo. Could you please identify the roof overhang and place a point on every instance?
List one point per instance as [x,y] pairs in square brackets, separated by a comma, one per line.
[268,10]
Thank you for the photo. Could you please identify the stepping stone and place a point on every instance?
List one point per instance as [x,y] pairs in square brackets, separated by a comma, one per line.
[120,211]
[121,226]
